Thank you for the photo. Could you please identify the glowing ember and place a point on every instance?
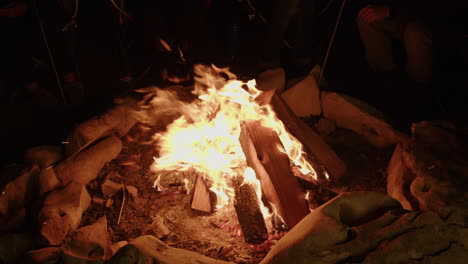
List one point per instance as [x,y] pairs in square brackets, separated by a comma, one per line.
[205,136]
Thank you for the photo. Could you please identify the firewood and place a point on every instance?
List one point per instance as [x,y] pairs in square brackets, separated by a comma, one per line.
[248,212]
[201,196]
[313,143]
[279,186]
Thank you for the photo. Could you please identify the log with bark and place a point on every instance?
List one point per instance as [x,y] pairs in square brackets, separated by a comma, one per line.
[248,212]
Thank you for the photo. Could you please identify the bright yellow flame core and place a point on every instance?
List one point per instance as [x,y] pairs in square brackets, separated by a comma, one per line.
[206,135]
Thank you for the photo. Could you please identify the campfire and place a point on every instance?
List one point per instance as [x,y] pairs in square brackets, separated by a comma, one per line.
[236,146]
[225,171]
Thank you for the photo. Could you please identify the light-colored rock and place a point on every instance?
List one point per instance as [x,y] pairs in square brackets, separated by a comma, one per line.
[353,114]
[48,181]
[117,246]
[158,228]
[399,178]
[62,211]
[272,79]
[14,246]
[85,166]
[330,225]
[20,191]
[91,242]
[118,120]
[43,156]
[49,255]
[304,98]
[110,188]
[133,191]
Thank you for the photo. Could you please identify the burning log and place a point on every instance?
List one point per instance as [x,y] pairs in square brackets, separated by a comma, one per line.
[248,212]
[312,142]
[201,196]
[279,186]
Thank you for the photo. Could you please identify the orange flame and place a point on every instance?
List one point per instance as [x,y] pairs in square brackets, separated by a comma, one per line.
[206,135]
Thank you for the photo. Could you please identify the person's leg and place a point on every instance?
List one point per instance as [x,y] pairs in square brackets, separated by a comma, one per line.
[418,44]
[376,39]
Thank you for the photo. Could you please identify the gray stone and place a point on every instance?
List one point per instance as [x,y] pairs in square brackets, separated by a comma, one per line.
[429,173]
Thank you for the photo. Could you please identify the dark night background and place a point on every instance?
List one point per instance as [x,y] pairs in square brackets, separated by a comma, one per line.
[107,51]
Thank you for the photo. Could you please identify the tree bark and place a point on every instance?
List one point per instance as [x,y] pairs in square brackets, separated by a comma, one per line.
[248,212]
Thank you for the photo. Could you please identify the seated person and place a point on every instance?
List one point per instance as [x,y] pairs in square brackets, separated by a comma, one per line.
[378,24]
[422,26]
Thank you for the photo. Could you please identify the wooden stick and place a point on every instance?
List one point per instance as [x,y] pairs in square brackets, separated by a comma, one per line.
[201,196]
[272,167]
[312,142]
[248,212]
[123,203]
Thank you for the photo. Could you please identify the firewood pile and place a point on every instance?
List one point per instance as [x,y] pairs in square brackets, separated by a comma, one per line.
[94,199]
